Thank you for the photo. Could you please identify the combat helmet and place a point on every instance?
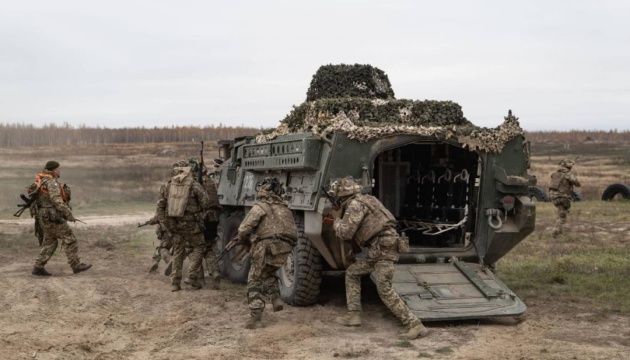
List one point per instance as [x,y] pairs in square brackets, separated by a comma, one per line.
[567,163]
[345,187]
[269,186]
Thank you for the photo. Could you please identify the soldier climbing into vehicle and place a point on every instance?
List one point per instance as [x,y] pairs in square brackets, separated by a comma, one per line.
[271,229]
[364,220]
[561,193]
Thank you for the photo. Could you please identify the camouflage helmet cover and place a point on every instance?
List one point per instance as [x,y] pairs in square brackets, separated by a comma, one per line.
[182,163]
[567,163]
[345,187]
[269,185]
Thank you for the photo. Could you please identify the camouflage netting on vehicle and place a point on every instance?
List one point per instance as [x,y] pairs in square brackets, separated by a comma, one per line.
[359,100]
[361,81]
[322,120]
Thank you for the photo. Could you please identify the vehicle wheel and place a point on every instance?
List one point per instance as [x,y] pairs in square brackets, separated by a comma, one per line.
[227,229]
[301,275]
[538,194]
[576,195]
[616,191]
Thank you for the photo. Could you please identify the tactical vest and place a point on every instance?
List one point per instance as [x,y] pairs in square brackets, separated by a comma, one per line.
[559,182]
[179,193]
[376,220]
[278,222]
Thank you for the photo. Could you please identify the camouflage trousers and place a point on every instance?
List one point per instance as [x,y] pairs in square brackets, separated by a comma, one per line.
[181,240]
[210,237]
[53,234]
[383,272]
[562,204]
[267,256]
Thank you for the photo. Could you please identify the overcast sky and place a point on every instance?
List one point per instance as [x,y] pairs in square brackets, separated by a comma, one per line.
[557,64]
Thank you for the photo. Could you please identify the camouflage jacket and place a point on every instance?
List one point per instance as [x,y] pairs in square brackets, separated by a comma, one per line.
[198,203]
[368,223]
[269,218]
[52,200]
[562,183]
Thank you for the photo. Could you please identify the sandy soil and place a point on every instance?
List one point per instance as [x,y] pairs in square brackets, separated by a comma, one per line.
[116,310]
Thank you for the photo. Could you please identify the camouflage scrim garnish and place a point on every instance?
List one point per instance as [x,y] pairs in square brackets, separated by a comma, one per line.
[338,81]
[358,100]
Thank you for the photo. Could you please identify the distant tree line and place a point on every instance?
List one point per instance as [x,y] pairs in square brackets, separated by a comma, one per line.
[16,135]
[578,136]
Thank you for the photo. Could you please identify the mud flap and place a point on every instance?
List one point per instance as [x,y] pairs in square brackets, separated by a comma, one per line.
[452,291]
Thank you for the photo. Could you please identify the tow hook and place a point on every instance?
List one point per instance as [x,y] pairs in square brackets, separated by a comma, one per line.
[494,218]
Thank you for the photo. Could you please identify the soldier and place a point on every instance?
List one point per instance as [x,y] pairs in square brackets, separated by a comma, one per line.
[211,222]
[163,251]
[271,221]
[180,208]
[368,223]
[561,193]
[54,212]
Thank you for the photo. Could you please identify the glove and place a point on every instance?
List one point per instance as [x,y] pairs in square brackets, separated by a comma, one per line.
[71,218]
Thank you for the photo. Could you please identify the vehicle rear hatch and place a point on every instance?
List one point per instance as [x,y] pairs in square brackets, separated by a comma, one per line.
[452,291]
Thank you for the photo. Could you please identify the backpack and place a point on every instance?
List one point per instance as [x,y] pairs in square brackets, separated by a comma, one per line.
[178,192]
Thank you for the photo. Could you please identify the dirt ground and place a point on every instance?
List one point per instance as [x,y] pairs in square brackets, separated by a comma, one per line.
[116,310]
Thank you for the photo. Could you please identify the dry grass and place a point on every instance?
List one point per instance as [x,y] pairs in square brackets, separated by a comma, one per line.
[102,178]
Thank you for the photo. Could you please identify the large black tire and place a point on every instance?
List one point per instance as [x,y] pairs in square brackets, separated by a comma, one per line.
[576,195]
[613,190]
[227,229]
[538,194]
[301,276]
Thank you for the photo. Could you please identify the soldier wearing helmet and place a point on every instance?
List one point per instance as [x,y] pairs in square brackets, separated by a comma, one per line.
[368,223]
[180,206]
[561,193]
[271,221]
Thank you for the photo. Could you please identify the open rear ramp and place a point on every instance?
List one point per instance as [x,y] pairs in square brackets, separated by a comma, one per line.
[452,291]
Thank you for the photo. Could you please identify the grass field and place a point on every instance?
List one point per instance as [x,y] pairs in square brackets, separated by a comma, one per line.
[590,265]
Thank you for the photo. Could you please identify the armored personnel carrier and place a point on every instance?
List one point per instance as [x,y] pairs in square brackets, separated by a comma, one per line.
[459,192]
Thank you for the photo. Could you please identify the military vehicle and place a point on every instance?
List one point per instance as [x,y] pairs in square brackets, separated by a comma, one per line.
[460,193]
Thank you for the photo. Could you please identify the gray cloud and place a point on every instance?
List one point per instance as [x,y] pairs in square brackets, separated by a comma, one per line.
[558,65]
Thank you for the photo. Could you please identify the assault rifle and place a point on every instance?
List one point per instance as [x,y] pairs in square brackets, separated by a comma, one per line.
[336,205]
[240,254]
[200,176]
[27,204]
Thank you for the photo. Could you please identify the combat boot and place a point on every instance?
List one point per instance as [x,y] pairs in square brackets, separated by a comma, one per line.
[40,271]
[81,267]
[277,303]
[175,287]
[216,280]
[352,318]
[415,331]
[169,268]
[254,322]
[154,267]
[194,283]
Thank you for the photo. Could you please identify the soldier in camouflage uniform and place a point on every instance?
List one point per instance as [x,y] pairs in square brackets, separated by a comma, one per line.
[162,252]
[271,221]
[180,208]
[210,223]
[561,193]
[368,223]
[54,212]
